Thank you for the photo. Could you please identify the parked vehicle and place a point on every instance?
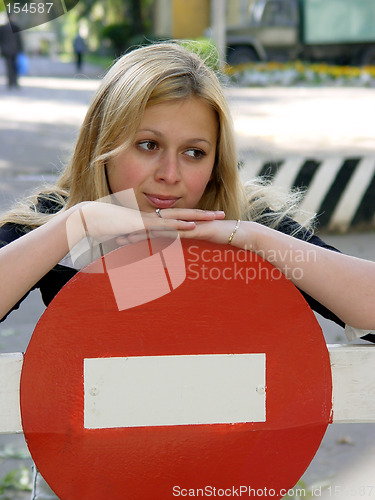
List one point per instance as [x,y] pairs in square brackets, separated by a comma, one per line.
[340,31]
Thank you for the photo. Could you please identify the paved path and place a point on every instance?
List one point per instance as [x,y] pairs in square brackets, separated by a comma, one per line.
[54,67]
[39,123]
[320,139]
[308,121]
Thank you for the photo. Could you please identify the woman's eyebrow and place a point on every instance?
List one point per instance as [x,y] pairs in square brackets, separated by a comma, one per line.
[159,134]
[156,132]
[199,140]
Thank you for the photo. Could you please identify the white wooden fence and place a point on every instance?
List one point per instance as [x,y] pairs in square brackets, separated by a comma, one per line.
[353,386]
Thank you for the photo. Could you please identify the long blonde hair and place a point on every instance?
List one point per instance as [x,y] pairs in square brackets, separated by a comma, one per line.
[149,75]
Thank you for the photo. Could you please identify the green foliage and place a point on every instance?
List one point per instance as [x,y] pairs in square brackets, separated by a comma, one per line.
[206,49]
[119,35]
[140,39]
[104,62]
[7,332]
[122,37]
[11,452]
[122,23]
[17,479]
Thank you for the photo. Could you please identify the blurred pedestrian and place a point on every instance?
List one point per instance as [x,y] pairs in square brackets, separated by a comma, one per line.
[11,46]
[79,49]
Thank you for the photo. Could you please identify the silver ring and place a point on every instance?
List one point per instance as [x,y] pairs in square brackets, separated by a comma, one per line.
[158,213]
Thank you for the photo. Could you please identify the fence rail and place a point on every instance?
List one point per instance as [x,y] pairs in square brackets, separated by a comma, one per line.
[353,386]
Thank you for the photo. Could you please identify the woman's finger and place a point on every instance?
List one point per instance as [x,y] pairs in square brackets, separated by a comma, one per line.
[152,234]
[164,233]
[189,214]
[166,224]
[122,240]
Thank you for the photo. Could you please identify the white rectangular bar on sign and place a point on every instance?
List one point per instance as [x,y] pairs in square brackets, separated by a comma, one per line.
[174,390]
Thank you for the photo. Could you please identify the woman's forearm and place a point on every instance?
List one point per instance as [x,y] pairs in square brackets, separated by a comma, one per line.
[26,260]
[342,283]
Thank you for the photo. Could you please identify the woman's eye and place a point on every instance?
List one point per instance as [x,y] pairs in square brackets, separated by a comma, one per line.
[197,154]
[148,145]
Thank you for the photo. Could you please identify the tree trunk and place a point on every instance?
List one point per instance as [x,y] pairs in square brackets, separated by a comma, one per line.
[136,16]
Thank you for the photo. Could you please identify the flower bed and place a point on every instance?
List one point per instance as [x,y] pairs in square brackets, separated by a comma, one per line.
[299,73]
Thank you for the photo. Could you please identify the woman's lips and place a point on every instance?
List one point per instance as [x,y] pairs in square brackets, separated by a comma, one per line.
[159,201]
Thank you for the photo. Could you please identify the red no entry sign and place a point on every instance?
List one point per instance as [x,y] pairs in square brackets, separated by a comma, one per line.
[222,387]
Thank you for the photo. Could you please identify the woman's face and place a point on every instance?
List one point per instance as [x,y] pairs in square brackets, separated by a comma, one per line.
[172,156]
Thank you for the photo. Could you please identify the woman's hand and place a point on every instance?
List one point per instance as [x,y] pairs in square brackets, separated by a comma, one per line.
[218,231]
[104,221]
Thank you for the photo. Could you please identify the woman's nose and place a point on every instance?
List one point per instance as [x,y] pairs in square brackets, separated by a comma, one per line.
[168,169]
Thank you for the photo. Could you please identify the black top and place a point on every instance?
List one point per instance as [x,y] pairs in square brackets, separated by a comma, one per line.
[10,40]
[55,279]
